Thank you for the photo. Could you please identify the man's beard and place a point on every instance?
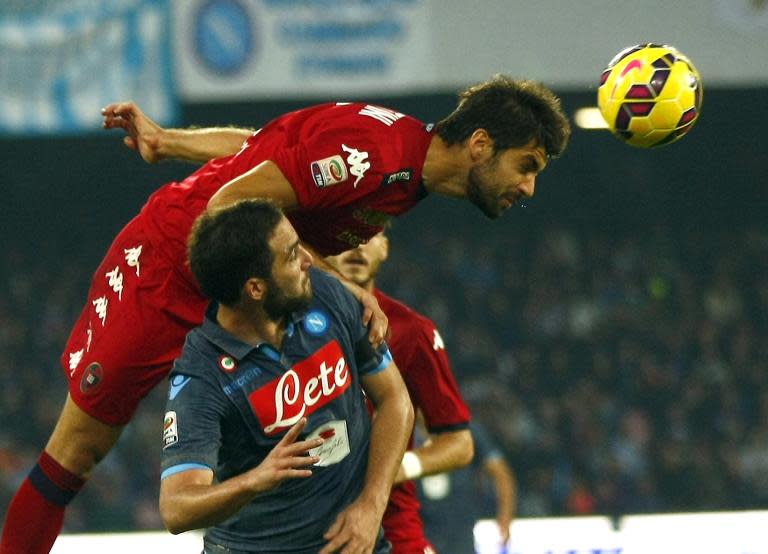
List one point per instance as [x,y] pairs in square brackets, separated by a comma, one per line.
[479,197]
[278,305]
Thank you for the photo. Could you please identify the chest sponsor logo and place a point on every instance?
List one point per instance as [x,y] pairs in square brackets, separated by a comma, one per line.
[336,445]
[369,216]
[306,387]
[329,171]
[351,238]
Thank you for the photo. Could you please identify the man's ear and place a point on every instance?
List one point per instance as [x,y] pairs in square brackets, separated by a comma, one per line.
[255,288]
[480,145]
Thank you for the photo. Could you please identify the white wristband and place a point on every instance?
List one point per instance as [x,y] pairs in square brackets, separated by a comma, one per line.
[411,465]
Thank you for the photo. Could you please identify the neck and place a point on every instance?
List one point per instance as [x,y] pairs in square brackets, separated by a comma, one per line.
[251,326]
[446,169]
[369,286]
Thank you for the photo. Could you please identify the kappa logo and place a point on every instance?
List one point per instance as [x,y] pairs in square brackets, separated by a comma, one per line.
[74,360]
[315,323]
[329,171]
[177,383]
[358,162]
[437,343]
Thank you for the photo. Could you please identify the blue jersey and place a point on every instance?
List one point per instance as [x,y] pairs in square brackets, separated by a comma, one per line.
[452,502]
[230,403]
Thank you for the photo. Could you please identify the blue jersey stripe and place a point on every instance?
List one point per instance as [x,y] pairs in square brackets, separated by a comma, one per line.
[182,467]
[386,360]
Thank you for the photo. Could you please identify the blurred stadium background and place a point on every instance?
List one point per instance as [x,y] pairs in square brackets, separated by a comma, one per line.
[613,334]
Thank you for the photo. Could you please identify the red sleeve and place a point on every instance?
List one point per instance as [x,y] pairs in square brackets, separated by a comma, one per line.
[431,382]
[337,166]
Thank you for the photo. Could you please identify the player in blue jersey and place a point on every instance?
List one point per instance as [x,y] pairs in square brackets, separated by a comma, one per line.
[267,440]
[451,503]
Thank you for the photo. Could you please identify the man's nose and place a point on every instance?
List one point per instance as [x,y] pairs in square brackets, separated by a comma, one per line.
[528,187]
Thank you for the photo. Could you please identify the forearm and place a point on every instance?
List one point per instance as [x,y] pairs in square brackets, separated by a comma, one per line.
[199,506]
[201,145]
[506,491]
[506,503]
[443,452]
[392,426]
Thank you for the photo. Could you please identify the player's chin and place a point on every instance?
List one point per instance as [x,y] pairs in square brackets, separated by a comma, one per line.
[492,211]
[491,208]
[353,272]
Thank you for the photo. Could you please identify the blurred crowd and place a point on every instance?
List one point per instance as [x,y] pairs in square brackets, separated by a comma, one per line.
[622,371]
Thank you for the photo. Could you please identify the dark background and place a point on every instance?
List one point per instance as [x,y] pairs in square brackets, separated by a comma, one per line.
[661,405]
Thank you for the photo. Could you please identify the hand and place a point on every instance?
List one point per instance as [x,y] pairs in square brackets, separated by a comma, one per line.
[143,133]
[503,534]
[374,318]
[285,461]
[355,530]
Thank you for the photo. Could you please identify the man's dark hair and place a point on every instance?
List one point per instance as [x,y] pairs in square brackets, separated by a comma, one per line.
[512,112]
[228,246]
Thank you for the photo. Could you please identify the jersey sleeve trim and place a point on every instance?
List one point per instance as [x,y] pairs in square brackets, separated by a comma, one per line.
[173,470]
[385,361]
[449,428]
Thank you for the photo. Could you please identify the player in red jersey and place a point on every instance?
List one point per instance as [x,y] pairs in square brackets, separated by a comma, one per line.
[420,355]
[339,171]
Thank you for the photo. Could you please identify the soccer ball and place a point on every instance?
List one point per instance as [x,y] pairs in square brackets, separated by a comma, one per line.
[650,95]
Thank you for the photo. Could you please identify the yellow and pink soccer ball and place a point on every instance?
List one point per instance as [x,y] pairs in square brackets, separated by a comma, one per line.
[650,95]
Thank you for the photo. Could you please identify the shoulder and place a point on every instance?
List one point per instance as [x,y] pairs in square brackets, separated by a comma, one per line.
[406,319]
[197,357]
[325,285]
[370,123]
[328,292]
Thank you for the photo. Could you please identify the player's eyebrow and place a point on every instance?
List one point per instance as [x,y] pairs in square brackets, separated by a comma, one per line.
[532,163]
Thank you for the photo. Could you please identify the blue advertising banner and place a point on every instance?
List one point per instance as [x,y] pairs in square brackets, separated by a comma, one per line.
[61,62]
[230,49]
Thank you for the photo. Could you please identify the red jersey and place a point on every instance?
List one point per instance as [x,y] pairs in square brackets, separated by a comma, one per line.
[352,167]
[419,353]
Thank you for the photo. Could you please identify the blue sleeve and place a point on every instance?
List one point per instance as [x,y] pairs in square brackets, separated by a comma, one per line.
[485,447]
[371,360]
[192,423]
[347,309]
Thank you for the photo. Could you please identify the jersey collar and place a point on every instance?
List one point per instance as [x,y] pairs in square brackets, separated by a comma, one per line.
[234,346]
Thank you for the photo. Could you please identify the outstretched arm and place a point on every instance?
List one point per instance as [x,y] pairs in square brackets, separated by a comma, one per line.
[155,143]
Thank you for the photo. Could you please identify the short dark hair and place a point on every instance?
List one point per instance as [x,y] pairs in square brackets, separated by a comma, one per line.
[513,112]
[229,245]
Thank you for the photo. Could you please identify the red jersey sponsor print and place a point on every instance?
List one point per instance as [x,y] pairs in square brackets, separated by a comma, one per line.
[306,387]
